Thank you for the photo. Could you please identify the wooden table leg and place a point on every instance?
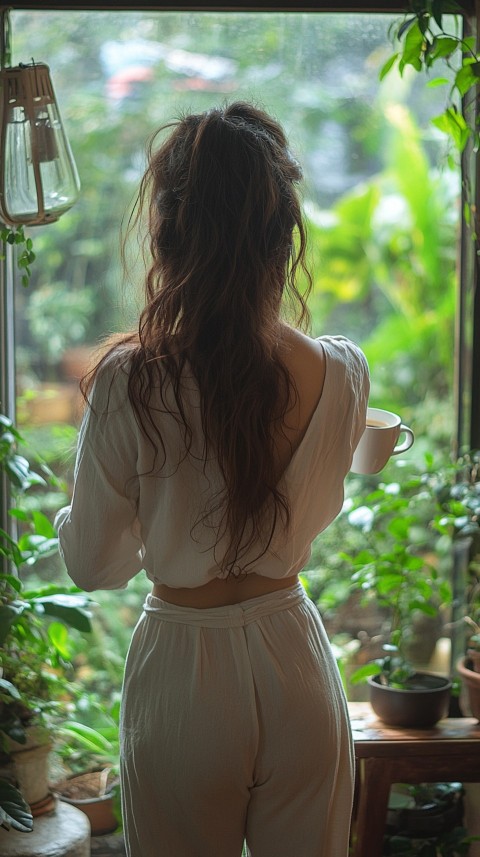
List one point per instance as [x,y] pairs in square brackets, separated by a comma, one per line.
[374,780]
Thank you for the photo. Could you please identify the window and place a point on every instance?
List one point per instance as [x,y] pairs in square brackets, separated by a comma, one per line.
[381,203]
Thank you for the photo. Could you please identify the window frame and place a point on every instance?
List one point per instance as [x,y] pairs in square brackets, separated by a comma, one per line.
[468,6]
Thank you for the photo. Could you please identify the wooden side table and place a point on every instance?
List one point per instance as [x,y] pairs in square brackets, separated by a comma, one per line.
[450,752]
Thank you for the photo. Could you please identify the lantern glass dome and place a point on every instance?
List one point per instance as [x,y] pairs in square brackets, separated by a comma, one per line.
[38,176]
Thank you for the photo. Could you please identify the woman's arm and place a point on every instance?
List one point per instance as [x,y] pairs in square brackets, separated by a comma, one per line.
[99,534]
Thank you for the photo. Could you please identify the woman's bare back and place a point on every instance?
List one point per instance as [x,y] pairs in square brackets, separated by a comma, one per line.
[305,361]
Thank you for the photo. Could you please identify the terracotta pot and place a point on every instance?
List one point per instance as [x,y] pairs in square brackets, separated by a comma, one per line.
[473,655]
[419,706]
[471,680]
[89,793]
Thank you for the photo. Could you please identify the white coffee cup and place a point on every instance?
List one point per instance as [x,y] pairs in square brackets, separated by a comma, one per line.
[378,441]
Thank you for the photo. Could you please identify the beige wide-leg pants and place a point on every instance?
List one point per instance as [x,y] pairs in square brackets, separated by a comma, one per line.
[234,726]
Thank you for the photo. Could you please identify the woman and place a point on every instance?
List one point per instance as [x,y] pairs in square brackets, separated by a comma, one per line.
[213,450]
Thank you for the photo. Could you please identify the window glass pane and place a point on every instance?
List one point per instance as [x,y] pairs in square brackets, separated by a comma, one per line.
[379,198]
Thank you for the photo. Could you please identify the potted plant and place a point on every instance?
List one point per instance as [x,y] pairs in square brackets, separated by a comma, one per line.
[34,647]
[405,571]
[92,754]
[411,532]
[468,668]
[403,696]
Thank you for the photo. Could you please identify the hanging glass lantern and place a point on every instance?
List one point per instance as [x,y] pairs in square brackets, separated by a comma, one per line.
[38,176]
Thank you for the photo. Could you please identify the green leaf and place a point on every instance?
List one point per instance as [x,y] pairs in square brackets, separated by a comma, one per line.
[424,607]
[69,608]
[34,546]
[424,23]
[43,526]
[405,26]
[17,469]
[445,592]
[9,688]
[19,514]
[399,527]
[437,81]
[466,78]
[12,581]
[364,672]
[8,614]
[413,48]
[49,589]
[396,637]
[14,811]
[437,10]
[387,582]
[58,636]
[452,123]
[6,422]
[387,66]
[444,46]
[89,738]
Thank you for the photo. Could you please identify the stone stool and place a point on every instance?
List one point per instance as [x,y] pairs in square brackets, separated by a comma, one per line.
[62,833]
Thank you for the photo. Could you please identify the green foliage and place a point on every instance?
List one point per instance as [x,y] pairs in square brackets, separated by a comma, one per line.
[14,811]
[90,736]
[35,646]
[387,256]
[59,316]
[24,247]
[424,43]
[404,562]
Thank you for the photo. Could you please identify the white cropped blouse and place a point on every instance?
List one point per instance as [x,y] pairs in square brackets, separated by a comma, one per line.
[123,519]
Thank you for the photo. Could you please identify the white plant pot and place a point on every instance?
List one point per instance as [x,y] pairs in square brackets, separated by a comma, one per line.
[28,766]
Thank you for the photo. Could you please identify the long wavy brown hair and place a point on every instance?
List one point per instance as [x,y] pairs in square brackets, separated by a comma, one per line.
[225,241]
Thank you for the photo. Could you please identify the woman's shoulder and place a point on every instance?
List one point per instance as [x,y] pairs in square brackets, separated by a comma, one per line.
[346,359]
[107,383]
[314,357]
[305,360]
[345,349]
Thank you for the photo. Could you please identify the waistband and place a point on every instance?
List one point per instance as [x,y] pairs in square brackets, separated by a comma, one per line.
[228,616]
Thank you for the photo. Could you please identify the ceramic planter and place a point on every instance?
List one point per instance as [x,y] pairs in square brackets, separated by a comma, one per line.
[422,704]
[28,769]
[92,793]
[471,680]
